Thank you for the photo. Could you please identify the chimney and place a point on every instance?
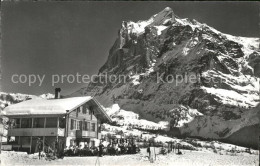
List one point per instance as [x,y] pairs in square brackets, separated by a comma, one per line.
[57,93]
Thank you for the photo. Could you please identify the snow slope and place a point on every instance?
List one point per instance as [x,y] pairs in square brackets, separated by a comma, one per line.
[131,119]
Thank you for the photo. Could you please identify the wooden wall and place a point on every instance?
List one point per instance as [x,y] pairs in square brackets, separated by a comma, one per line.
[88,117]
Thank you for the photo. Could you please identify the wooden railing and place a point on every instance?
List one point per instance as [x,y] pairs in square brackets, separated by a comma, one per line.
[36,132]
[86,134]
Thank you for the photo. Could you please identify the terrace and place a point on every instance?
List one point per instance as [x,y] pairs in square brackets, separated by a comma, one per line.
[38,126]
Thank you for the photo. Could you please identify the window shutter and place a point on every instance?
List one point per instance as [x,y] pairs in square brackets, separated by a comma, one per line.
[77,112]
[88,125]
[84,109]
[91,112]
[81,109]
[80,125]
[71,124]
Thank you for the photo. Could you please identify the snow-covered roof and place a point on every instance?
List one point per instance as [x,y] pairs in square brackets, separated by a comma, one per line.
[43,106]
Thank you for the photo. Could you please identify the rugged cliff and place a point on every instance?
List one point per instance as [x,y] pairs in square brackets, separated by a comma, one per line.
[203,82]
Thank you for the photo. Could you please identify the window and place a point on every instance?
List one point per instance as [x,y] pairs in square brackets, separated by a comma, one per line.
[25,141]
[62,122]
[13,140]
[86,126]
[93,126]
[15,123]
[38,122]
[51,122]
[26,123]
[75,125]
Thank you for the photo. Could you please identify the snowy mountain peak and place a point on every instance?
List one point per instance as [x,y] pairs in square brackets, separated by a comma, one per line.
[165,45]
[163,17]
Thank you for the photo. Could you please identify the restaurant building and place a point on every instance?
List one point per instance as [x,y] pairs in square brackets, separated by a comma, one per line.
[57,122]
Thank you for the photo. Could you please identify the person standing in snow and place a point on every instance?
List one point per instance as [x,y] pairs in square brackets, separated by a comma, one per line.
[80,150]
[39,145]
[149,151]
[100,150]
[56,148]
[134,148]
[152,153]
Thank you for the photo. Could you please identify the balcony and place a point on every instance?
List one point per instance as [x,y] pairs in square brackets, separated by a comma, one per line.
[36,132]
[86,134]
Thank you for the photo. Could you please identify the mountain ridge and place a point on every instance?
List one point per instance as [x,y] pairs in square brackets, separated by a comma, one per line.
[175,46]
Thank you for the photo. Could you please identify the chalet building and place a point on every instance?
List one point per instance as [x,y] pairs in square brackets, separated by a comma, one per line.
[57,122]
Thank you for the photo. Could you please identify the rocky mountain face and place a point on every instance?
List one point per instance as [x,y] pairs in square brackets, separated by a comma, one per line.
[203,82]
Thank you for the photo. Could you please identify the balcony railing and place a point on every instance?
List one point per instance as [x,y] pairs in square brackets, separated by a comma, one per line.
[36,132]
[86,134]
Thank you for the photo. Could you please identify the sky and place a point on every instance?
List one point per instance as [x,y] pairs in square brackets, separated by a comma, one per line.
[62,38]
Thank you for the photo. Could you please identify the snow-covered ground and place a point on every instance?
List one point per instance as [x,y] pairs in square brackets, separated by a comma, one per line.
[188,158]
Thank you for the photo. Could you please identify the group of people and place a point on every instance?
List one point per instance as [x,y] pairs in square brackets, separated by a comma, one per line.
[122,148]
[172,147]
[80,150]
[115,147]
[110,149]
[51,151]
